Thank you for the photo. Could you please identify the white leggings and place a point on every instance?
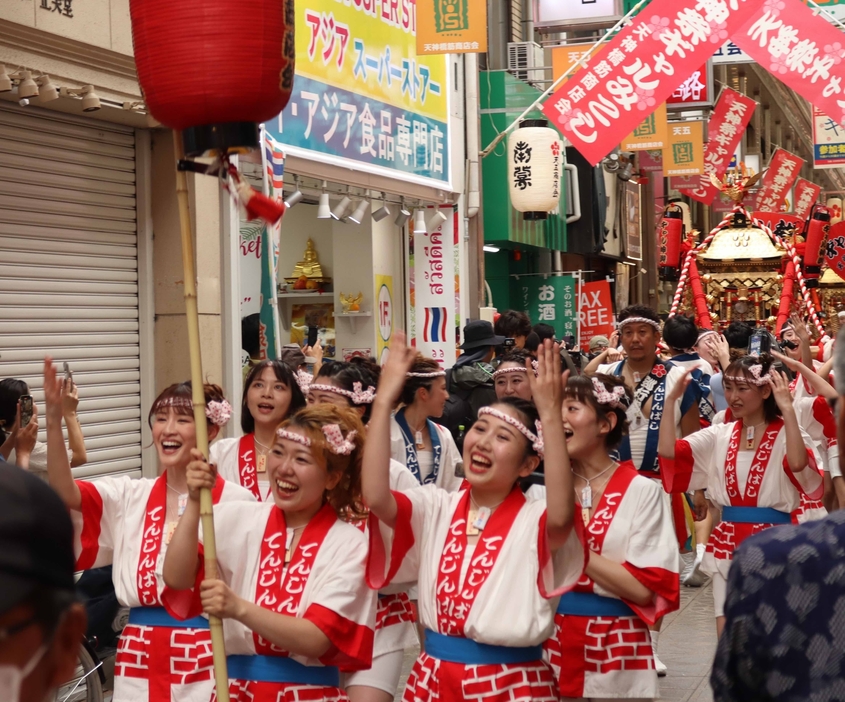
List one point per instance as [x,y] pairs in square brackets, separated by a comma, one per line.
[382,675]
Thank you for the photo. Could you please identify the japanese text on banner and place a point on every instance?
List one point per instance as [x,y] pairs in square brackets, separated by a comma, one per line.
[684,153]
[549,301]
[781,174]
[596,311]
[727,123]
[801,49]
[640,68]
[828,141]
[362,94]
[806,194]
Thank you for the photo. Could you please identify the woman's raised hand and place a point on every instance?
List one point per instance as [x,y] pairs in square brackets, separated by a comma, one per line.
[780,389]
[547,386]
[53,391]
[394,371]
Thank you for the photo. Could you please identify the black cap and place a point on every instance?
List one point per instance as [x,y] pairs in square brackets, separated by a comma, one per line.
[478,333]
[36,537]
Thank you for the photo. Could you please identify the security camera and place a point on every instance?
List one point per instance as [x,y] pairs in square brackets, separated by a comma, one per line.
[23,102]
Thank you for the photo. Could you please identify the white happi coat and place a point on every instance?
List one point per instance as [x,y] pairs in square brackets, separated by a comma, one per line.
[631,525]
[637,421]
[450,475]
[701,462]
[239,466]
[525,580]
[113,527]
[331,585]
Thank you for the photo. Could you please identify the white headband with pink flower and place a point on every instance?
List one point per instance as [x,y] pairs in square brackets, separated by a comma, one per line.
[615,398]
[337,443]
[757,377]
[535,439]
[358,395]
[218,412]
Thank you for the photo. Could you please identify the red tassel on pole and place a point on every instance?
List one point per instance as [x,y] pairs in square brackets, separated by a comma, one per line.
[786,296]
[699,299]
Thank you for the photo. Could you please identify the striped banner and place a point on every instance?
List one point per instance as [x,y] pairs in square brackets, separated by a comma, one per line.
[434,329]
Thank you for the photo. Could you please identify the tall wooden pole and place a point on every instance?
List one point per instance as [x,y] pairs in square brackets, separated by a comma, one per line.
[221,675]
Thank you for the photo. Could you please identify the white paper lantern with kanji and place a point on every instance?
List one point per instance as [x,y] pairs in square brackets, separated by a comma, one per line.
[534,168]
[834,204]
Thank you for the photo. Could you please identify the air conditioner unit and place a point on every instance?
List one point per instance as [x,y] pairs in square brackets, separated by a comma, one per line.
[526,60]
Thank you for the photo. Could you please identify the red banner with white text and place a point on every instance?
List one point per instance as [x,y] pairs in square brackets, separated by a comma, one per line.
[799,48]
[640,68]
[781,174]
[806,194]
[727,123]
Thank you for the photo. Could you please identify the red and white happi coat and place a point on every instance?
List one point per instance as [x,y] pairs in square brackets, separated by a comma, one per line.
[711,459]
[504,594]
[324,582]
[122,522]
[237,462]
[816,418]
[611,657]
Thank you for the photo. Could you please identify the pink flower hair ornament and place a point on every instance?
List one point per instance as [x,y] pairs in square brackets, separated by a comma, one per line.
[303,380]
[615,398]
[358,395]
[218,412]
[335,440]
[535,439]
[757,378]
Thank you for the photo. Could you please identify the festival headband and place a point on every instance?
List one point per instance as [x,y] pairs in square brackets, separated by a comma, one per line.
[515,369]
[357,394]
[756,371]
[615,398]
[433,374]
[535,439]
[639,320]
[303,380]
[335,440]
[704,335]
[217,412]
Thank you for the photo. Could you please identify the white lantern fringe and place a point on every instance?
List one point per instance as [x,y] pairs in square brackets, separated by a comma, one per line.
[535,164]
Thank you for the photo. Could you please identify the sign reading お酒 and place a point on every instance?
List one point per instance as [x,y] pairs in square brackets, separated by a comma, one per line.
[549,300]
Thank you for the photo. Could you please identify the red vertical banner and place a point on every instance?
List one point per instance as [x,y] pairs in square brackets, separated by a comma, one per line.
[801,49]
[595,312]
[781,174]
[806,194]
[640,68]
[727,123]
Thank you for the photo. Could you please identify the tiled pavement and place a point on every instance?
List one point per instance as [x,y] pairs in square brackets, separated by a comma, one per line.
[687,645]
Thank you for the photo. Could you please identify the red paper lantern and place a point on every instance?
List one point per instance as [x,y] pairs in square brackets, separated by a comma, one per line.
[671,235]
[817,231]
[214,69]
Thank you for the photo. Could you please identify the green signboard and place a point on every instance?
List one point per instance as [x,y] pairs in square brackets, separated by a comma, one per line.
[551,300]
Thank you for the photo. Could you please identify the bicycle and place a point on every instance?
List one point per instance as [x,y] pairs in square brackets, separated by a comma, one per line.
[88,680]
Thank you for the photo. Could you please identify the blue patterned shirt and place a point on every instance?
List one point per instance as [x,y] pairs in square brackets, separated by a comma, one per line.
[784,636]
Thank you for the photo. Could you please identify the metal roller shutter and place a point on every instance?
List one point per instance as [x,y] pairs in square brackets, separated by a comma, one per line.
[69,272]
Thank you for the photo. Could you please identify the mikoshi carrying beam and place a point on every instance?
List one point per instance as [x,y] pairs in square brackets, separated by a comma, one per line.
[206,74]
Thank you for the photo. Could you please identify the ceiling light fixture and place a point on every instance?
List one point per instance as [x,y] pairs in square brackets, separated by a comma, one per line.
[403,216]
[26,86]
[5,81]
[90,99]
[382,211]
[419,221]
[491,249]
[47,92]
[436,220]
[339,211]
[296,196]
[358,215]
[324,210]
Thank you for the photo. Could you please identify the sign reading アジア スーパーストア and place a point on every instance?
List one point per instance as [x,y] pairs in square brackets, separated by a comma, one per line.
[362,97]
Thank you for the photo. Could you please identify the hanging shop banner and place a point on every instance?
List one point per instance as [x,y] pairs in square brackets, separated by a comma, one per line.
[730,53]
[384,314]
[783,169]
[651,161]
[649,134]
[801,49]
[363,98]
[433,291]
[639,69]
[806,194]
[684,153]
[727,123]
[595,310]
[828,141]
[696,91]
[451,27]
[633,221]
[549,300]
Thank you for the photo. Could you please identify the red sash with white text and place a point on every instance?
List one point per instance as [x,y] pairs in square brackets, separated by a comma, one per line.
[153,536]
[758,465]
[280,590]
[247,471]
[596,531]
[453,601]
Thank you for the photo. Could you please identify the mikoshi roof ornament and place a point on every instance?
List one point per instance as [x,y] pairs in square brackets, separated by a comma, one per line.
[206,73]
[736,184]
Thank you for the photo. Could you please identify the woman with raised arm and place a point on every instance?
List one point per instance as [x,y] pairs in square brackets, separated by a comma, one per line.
[426,449]
[129,523]
[631,579]
[271,394]
[754,468]
[490,564]
[291,589]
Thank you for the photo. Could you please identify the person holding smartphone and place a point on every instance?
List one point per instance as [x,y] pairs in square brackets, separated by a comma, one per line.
[14,396]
